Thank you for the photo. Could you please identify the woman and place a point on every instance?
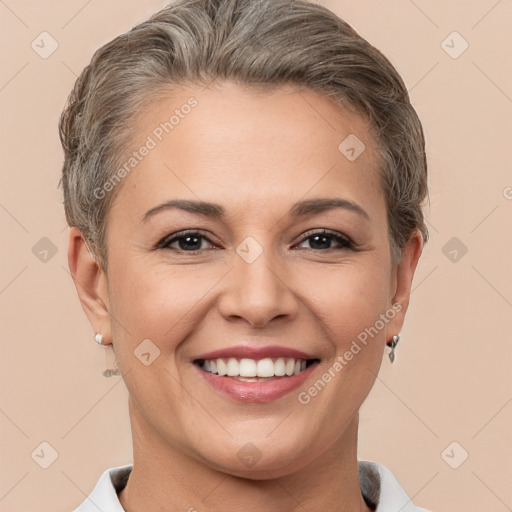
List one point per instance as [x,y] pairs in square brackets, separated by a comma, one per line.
[243,181]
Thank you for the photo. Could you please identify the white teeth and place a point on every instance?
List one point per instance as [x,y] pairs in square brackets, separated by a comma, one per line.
[280,368]
[265,368]
[248,368]
[233,367]
[221,367]
[290,365]
[251,368]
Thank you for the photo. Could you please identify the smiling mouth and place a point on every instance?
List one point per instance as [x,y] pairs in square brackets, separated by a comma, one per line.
[255,370]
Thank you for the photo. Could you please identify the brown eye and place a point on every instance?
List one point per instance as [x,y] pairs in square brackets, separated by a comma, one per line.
[185,241]
[324,240]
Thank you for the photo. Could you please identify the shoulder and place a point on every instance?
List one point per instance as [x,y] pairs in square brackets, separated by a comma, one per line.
[104,494]
[381,489]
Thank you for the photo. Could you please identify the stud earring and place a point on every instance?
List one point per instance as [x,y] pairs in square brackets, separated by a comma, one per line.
[109,372]
[393,343]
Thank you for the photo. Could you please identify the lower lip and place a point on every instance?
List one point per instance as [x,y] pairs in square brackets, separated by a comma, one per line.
[260,392]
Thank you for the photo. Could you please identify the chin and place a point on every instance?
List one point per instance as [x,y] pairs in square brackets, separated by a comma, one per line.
[258,458]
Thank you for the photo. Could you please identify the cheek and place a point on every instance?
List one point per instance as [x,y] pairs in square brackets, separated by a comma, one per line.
[350,305]
[348,299]
[159,303]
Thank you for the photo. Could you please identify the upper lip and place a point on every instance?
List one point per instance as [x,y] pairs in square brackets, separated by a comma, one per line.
[249,352]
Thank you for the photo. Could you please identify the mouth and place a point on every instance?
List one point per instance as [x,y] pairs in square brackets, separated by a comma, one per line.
[255,374]
[255,370]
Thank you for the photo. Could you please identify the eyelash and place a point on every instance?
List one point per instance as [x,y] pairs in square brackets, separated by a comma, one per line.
[345,242]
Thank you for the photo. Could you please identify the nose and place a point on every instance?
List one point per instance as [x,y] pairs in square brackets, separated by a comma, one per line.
[258,292]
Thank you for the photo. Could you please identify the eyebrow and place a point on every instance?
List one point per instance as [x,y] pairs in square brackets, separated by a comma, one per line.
[300,208]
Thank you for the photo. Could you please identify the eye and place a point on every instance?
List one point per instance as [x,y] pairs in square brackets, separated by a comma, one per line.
[323,238]
[185,241]
[196,241]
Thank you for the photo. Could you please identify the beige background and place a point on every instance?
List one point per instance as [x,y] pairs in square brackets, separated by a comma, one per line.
[452,379]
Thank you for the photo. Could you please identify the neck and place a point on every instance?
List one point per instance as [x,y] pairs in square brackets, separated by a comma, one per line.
[163,475]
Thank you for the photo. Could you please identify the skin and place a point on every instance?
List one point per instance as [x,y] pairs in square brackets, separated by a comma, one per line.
[255,153]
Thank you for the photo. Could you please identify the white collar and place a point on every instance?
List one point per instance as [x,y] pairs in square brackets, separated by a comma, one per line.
[392,498]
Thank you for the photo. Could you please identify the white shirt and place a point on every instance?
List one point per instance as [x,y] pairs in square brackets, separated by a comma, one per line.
[391,497]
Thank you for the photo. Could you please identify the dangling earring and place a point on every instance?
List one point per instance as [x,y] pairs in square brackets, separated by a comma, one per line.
[109,372]
[393,343]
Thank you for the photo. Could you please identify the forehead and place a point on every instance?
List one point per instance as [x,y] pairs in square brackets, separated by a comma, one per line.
[249,147]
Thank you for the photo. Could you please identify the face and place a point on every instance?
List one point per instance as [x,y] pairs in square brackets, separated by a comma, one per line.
[246,241]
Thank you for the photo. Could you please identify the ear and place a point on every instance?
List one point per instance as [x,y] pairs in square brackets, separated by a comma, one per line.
[402,277]
[91,284]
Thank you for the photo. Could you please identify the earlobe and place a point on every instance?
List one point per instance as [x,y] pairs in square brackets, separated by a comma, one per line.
[91,284]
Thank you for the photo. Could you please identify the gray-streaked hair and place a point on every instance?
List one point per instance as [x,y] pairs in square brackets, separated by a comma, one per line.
[260,43]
